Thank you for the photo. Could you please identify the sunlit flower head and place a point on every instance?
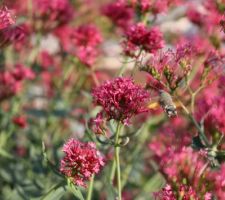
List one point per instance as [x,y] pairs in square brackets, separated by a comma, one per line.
[121,98]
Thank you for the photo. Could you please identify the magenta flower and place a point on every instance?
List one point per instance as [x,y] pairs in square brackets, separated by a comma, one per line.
[11,82]
[195,16]
[20,121]
[81,161]
[6,18]
[86,35]
[9,32]
[183,192]
[86,39]
[119,13]
[58,11]
[81,41]
[165,194]
[149,40]
[121,99]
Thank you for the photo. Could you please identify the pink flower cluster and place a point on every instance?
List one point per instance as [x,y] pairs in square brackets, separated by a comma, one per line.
[171,66]
[81,161]
[211,10]
[184,193]
[6,18]
[86,38]
[57,11]
[211,106]
[20,121]
[121,99]
[140,37]
[81,41]
[179,163]
[119,13]
[9,32]
[11,81]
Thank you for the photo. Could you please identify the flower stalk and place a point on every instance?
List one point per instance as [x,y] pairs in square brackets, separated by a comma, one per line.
[90,188]
[117,159]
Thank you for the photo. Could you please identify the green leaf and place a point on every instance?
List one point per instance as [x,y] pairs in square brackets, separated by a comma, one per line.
[154,183]
[5,154]
[76,192]
[55,194]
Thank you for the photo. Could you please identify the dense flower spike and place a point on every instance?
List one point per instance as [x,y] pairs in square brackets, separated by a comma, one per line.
[146,39]
[81,161]
[121,99]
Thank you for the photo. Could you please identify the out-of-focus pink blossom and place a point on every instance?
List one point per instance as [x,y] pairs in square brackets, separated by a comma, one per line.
[21,72]
[9,32]
[184,192]
[165,194]
[6,19]
[209,10]
[217,177]
[216,61]
[21,151]
[55,11]
[81,161]
[81,41]
[146,39]
[11,81]
[121,99]
[86,38]
[46,60]
[211,106]
[20,121]
[86,35]
[195,16]
[11,35]
[119,12]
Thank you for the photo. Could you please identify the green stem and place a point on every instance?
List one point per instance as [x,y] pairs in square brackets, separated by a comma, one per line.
[136,63]
[201,132]
[90,188]
[112,172]
[117,159]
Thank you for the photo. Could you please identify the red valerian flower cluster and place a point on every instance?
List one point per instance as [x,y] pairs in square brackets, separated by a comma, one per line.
[119,13]
[57,11]
[210,9]
[139,36]
[9,32]
[81,161]
[6,18]
[86,38]
[20,121]
[81,41]
[121,99]
[211,106]
[11,81]
[185,193]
